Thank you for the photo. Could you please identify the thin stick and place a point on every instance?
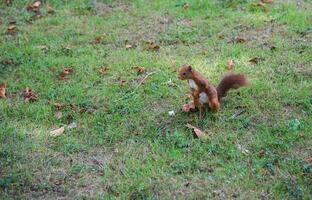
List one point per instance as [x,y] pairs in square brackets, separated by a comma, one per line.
[140,83]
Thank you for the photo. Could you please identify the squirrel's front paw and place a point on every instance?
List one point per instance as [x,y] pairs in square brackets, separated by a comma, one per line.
[188,107]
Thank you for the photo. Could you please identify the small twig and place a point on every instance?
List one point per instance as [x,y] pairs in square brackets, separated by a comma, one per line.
[140,83]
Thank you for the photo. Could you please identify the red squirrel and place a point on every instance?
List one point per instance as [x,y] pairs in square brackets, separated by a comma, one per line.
[204,92]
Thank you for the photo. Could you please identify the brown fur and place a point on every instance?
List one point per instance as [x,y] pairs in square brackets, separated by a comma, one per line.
[2,89]
[187,73]
[230,81]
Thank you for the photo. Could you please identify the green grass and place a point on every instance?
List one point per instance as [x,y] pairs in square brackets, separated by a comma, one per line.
[126,146]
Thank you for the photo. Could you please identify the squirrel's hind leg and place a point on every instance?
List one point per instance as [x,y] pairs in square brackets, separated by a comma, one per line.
[214,104]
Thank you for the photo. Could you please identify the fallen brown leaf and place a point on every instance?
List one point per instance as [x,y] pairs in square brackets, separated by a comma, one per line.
[58,106]
[122,83]
[8,2]
[97,40]
[221,36]
[266,1]
[140,70]
[230,64]
[66,71]
[29,95]
[50,10]
[262,153]
[259,4]
[128,46]
[254,60]
[57,132]
[7,62]
[152,45]
[12,29]
[198,133]
[34,7]
[186,6]
[3,89]
[103,70]
[205,51]
[264,172]
[240,39]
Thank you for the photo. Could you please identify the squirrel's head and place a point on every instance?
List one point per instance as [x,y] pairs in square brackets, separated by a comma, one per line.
[185,72]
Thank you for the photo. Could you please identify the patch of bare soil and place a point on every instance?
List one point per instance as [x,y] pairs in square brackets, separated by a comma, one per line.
[70,176]
[105,9]
[257,37]
[146,29]
[300,4]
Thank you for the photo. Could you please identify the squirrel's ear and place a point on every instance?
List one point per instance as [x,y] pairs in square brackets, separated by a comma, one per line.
[190,68]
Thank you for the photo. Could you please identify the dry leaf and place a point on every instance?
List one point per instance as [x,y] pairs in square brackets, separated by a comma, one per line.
[140,70]
[264,172]
[57,132]
[186,6]
[50,10]
[97,40]
[262,153]
[11,29]
[103,70]
[254,60]
[8,2]
[152,45]
[266,1]
[34,7]
[128,46]
[3,89]
[29,95]
[221,36]
[198,133]
[259,4]
[230,64]
[66,71]
[205,52]
[122,83]
[7,62]
[58,106]
[240,39]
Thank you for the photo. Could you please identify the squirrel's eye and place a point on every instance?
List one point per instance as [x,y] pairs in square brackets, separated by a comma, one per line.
[184,74]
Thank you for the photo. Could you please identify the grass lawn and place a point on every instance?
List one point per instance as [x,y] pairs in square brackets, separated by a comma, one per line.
[120,81]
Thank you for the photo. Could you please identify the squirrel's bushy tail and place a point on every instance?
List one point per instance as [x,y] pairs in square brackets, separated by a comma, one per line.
[230,81]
